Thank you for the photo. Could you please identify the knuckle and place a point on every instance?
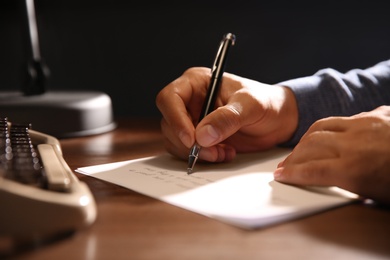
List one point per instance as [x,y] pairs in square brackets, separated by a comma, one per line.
[161,97]
[229,117]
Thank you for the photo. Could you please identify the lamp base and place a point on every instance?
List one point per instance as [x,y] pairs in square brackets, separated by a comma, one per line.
[61,114]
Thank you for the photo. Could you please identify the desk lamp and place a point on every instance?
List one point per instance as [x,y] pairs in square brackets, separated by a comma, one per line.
[58,113]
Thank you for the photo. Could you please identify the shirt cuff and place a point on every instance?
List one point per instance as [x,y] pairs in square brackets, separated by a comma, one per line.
[305,90]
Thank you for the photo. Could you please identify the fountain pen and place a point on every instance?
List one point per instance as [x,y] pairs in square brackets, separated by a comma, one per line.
[217,71]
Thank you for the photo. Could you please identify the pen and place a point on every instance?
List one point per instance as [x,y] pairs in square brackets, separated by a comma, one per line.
[217,71]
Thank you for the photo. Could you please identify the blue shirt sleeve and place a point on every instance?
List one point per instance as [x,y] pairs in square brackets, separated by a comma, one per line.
[331,93]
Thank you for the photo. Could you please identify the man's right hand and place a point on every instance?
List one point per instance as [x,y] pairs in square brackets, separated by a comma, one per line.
[250,116]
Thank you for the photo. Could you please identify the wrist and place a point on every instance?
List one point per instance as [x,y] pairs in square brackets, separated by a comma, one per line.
[288,115]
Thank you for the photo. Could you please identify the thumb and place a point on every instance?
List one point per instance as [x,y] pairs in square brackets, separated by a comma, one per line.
[219,125]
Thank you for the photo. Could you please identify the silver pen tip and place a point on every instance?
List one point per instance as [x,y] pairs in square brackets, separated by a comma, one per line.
[192,158]
[191,164]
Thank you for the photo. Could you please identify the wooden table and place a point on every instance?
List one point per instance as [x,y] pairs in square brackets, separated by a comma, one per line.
[133,226]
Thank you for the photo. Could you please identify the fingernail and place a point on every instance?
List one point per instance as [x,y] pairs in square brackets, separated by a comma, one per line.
[207,136]
[278,173]
[185,139]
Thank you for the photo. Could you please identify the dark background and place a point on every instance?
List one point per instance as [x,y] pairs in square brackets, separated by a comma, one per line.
[131,50]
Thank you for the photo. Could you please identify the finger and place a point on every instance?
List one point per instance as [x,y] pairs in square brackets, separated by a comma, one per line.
[175,103]
[173,109]
[172,142]
[315,146]
[241,109]
[218,126]
[312,173]
[214,153]
[217,153]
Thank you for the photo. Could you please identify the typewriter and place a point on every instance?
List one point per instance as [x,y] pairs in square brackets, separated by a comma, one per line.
[39,194]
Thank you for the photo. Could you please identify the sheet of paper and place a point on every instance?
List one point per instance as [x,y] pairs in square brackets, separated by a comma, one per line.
[242,193]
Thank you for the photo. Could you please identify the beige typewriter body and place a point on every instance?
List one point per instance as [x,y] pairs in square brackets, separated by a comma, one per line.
[64,205]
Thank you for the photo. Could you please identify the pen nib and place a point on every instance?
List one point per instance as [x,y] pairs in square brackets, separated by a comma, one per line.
[192,158]
[191,164]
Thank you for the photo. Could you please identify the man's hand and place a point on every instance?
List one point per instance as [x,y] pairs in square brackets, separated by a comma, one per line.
[250,116]
[352,153]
